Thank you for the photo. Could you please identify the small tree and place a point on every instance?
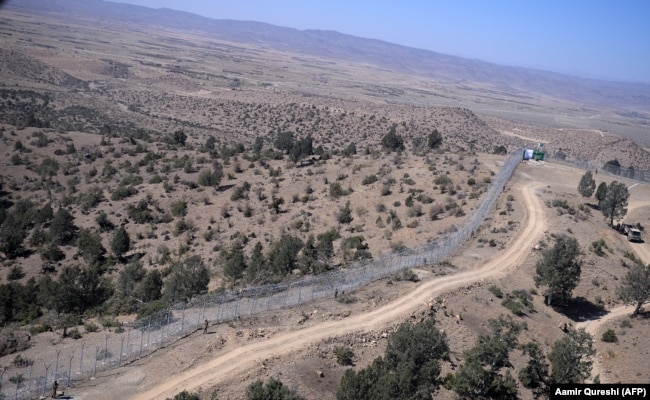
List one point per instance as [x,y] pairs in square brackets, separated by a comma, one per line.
[614,205]
[392,141]
[480,376]
[534,375]
[434,140]
[284,141]
[121,242]
[90,246]
[179,137]
[601,192]
[635,288]
[185,395]
[273,390]
[559,269]
[345,215]
[587,185]
[571,357]
[187,278]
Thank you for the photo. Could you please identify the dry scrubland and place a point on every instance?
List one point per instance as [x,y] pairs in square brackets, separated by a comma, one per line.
[173,138]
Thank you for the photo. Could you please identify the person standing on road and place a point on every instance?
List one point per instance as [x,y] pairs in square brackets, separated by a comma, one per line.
[55,386]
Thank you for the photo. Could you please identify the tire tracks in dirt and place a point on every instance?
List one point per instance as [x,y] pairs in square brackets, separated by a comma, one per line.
[226,366]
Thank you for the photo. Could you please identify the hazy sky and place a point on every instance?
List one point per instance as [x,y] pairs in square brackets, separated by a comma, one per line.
[591,38]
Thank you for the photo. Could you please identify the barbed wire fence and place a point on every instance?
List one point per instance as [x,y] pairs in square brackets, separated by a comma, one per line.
[33,378]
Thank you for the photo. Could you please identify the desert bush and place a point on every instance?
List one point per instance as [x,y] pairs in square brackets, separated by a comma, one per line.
[597,247]
[344,355]
[122,192]
[495,290]
[370,179]
[140,213]
[609,336]
[178,208]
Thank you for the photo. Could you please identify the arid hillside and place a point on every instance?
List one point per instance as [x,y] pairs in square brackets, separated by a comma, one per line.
[144,165]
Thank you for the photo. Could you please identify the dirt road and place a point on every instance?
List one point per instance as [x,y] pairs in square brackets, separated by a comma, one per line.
[226,366]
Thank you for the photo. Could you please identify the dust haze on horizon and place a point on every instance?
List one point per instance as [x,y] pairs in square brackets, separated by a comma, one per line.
[605,40]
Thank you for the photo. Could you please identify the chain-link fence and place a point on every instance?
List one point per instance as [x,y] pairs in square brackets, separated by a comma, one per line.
[33,378]
[608,168]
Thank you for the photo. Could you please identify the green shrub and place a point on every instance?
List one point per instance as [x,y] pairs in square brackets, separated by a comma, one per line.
[344,355]
[369,179]
[626,323]
[347,299]
[609,336]
[74,333]
[514,306]
[495,290]
[91,327]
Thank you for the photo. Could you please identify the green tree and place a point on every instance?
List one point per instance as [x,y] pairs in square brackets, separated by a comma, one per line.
[635,288]
[105,225]
[235,262]
[284,141]
[150,288]
[273,390]
[587,185]
[121,242]
[12,234]
[126,295]
[284,254]
[90,246]
[601,192]
[434,140]
[392,141]
[614,205]
[179,137]
[62,228]
[559,269]
[571,357]
[345,215]
[185,395]
[480,376]
[186,279]
[256,263]
[535,374]
[410,367]
[211,178]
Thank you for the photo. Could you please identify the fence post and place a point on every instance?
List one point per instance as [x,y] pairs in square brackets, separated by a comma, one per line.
[29,386]
[183,320]
[254,304]
[96,357]
[119,363]
[47,367]
[149,332]
[81,357]
[237,305]
[105,349]
[56,367]
[141,337]
[69,369]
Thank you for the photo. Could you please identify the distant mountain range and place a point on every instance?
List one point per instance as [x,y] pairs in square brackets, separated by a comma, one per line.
[334,45]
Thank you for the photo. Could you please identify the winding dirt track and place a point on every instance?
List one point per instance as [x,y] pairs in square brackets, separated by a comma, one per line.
[228,365]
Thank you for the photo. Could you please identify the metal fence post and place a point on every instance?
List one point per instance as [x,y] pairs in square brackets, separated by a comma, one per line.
[56,366]
[81,357]
[69,369]
[182,320]
[47,367]
[96,357]
[119,363]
